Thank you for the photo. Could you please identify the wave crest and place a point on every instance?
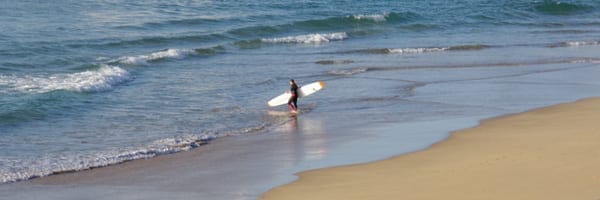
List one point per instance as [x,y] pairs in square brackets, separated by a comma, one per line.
[374,17]
[577,43]
[167,54]
[422,49]
[102,79]
[316,38]
[144,59]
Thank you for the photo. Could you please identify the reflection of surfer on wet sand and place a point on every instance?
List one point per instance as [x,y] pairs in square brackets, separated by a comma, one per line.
[291,97]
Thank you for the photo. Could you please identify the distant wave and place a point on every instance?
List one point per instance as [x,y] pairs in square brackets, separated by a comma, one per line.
[167,54]
[358,19]
[576,43]
[248,34]
[422,49]
[374,17]
[316,38]
[340,23]
[144,59]
[102,79]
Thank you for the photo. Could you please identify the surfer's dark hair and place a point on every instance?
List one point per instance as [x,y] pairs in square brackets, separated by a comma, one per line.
[292,80]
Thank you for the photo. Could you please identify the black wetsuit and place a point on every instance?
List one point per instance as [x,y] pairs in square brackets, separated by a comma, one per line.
[294,98]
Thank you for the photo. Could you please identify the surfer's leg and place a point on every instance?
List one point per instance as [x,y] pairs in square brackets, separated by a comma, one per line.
[295,103]
[291,104]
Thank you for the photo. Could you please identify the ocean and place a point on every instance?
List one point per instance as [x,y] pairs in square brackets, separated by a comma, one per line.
[86,84]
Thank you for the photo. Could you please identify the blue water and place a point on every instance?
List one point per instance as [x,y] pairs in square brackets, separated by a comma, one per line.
[86,84]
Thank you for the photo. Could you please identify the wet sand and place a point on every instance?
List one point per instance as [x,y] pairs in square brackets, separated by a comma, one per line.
[547,153]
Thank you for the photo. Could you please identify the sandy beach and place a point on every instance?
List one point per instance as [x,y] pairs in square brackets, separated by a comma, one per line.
[547,153]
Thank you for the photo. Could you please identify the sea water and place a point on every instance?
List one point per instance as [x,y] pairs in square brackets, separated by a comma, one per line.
[86,84]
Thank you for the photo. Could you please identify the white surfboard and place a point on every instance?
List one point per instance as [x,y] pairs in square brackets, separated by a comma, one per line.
[303,91]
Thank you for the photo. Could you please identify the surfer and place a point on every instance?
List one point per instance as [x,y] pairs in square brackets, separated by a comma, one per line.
[294,98]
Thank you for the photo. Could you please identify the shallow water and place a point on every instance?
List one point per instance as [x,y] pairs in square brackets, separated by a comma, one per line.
[87,84]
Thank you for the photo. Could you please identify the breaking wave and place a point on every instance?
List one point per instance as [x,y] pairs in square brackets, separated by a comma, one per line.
[18,170]
[167,54]
[576,43]
[102,79]
[316,38]
[422,49]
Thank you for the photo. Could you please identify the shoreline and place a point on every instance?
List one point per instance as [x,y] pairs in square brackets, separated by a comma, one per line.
[229,168]
[543,153]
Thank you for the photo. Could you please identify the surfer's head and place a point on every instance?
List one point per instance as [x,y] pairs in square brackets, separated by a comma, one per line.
[292,82]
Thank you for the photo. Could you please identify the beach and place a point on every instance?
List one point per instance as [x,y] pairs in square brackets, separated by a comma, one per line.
[547,153]
[168,99]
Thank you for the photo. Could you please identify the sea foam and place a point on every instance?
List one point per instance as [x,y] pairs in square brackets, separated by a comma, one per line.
[374,17]
[12,170]
[102,79]
[316,38]
[581,43]
[144,59]
[416,50]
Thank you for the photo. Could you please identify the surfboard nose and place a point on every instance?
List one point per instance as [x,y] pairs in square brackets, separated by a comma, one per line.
[321,84]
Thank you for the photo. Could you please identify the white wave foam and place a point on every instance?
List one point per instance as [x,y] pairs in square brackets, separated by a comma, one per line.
[99,80]
[347,72]
[581,43]
[316,38]
[144,59]
[12,170]
[416,50]
[374,17]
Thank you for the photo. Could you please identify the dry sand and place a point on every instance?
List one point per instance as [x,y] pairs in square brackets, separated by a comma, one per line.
[548,153]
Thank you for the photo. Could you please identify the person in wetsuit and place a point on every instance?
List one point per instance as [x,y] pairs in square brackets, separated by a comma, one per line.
[292,103]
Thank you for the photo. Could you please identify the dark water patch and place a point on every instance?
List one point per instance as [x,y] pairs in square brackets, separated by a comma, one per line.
[418,27]
[249,44]
[180,22]
[166,40]
[210,51]
[147,41]
[254,31]
[31,107]
[550,7]
[18,65]
[226,109]
[334,62]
